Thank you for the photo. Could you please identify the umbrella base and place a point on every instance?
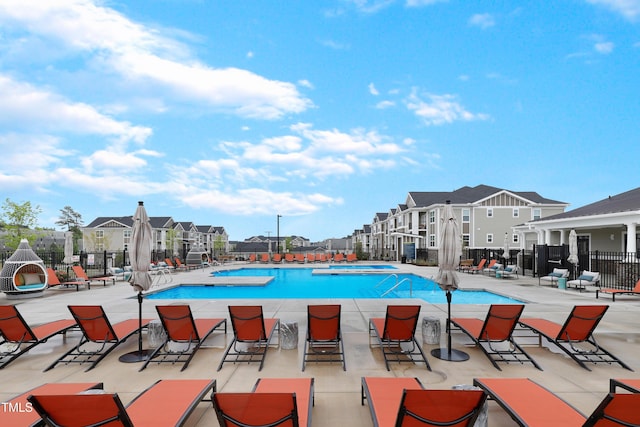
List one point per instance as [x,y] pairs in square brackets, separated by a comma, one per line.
[451,355]
[136,356]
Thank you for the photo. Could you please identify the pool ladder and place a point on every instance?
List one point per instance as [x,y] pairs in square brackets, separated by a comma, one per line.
[395,286]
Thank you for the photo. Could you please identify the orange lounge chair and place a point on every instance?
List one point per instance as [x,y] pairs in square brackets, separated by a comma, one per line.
[614,292]
[97,330]
[15,330]
[338,258]
[264,258]
[530,404]
[477,268]
[496,328]
[311,258]
[165,403]
[180,327]
[398,327]
[577,329]
[629,384]
[52,280]
[300,258]
[81,274]
[289,258]
[277,258]
[273,402]
[352,258]
[252,258]
[440,407]
[22,416]
[384,395]
[249,327]
[324,338]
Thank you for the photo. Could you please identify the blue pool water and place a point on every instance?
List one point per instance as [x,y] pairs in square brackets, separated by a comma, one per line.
[301,283]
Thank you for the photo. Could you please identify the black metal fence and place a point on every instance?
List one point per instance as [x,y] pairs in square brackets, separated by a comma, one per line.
[94,263]
[618,270]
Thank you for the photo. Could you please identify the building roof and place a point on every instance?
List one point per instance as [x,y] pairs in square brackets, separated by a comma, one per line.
[467,194]
[624,202]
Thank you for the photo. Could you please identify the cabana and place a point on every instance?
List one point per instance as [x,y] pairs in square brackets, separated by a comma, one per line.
[24,274]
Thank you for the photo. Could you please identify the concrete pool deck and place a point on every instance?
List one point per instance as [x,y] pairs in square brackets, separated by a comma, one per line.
[337,393]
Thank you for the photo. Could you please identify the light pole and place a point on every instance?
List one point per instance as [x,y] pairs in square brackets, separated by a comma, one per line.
[269,240]
[278,231]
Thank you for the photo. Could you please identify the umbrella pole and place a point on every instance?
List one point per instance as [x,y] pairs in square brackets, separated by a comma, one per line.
[449,354]
[139,355]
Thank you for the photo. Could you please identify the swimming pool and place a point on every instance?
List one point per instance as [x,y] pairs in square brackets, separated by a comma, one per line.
[302,283]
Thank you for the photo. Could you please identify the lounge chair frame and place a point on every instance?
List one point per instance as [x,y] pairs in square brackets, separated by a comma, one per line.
[108,342]
[130,415]
[577,329]
[80,273]
[397,338]
[15,330]
[192,332]
[324,346]
[497,327]
[252,335]
[614,292]
[52,281]
[632,385]
[263,400]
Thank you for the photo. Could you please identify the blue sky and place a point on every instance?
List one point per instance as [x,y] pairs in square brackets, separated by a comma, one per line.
[229,113]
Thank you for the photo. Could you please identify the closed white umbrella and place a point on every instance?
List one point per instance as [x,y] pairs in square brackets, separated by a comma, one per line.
[505,253]
[140,258]
[449,253]
[573,250]
[68,248]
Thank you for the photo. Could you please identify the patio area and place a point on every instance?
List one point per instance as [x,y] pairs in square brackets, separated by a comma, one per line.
[337,392]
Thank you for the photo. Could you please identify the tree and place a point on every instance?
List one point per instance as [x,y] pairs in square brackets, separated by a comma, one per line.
[73,221]
[20,221]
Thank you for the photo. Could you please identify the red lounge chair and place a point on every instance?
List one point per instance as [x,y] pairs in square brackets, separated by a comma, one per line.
[166,403]
[273,402]
[52,280]
[338,258]
[398,327]
[277,258]
[264,258]
[352,258]
[18,412]
[384,396]
[81,274]
[300,258]
[477,268]
[252,258]
[289,257]
[249,327]
[180,327]
[97,330]
[311,258]
[530,404]
[324,338]
[496,328]
[614,292]
[577,329]
[440,407]
[630,384]
[15,330]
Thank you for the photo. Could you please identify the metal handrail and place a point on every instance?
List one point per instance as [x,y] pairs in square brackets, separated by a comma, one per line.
[406,279]
[385,279]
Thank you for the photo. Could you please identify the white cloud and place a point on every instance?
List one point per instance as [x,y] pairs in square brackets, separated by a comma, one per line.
[604,48]
[417,3]
[140,53]
[630,9]
[482,20]
[382,105]
[372,90]
[440,109]
[29,107]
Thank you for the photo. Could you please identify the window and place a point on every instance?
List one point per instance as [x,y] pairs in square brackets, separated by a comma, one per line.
[127,236]
[432,240]
[432,217]
[490,238]
[516,212]
[465,240]
[515,238]
[536,213]
[465,215]
[489,212]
